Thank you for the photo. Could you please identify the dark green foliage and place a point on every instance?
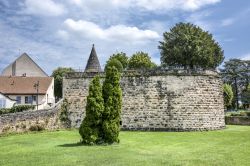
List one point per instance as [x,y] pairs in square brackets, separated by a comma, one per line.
[245,96]
[122,57]
[236,73]
[64,115]
[58,78]
[19,108]
[114,62]
[228,95]
[112,96]
[140,60]
[239,113]
[91,127]
[189,46]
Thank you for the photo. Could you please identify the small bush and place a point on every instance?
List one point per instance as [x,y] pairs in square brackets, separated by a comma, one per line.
[235,114]
[36,128]
[228,95]
[19,108]
[64,115]
[246,113]
[240,113]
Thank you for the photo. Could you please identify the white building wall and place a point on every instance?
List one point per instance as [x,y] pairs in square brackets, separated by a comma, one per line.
[50,93]
[24,65]
[41,100]
[28,67]
[8,103]
[7,71]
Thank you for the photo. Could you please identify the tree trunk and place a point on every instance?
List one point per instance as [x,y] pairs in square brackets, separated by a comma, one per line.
[236,93]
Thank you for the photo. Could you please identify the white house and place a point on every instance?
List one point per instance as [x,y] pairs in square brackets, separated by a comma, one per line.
[24,82]
[6,102]
[38,91]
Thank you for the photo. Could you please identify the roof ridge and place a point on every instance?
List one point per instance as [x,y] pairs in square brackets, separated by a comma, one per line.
[19,57]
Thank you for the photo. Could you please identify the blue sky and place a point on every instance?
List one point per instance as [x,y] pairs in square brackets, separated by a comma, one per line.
[61,32]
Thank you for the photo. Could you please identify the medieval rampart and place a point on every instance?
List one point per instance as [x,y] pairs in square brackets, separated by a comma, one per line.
[175,100]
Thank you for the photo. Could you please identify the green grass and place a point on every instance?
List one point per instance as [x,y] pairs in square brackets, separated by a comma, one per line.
[225,147]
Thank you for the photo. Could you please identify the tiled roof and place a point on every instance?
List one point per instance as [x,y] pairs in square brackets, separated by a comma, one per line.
[24,85]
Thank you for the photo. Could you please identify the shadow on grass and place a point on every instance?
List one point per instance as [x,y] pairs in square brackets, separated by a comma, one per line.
[72,145]
[81,144]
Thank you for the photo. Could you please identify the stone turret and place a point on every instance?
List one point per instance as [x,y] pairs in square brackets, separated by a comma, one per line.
[93,64]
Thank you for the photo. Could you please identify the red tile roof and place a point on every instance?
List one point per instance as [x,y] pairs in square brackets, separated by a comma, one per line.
[24,85]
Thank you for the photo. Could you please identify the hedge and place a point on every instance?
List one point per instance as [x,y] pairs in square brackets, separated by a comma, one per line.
[19,108]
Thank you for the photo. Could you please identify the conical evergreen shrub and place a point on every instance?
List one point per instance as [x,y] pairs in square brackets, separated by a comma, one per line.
[91,127]
[112,96]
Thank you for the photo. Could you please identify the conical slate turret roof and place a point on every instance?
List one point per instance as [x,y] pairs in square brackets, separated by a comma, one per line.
[93,64]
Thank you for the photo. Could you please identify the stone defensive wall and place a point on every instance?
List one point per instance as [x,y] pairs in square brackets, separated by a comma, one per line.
[158,100]
[31,120]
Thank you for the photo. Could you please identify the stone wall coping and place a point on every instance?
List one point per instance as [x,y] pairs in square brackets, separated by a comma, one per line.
[32,112]
[147,73]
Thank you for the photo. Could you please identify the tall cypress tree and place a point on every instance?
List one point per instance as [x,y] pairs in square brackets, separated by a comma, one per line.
[112,96]
[91,127]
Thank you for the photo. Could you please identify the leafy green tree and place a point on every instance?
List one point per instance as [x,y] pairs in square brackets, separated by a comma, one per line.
[245,98]
[228,95]
[91,127]
[114,62]
[112,96]
[58,75]
[122,57]
[140,60]
[188,46]
[236,72]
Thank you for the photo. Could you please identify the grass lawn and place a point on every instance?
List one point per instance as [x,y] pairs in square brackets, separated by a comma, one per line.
[226,147]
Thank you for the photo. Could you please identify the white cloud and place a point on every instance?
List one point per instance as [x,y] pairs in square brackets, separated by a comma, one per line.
[227,22]
[155,25]
[63,34]
[245,57]
[150,5]
[43,8]
[187,5]
[199,18]
[240,16]
[113,33]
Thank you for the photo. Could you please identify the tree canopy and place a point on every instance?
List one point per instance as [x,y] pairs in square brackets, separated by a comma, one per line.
[236,72]
[245,96]
[188,46]
[58,78]
[122,57]
[140,60]
[114,63]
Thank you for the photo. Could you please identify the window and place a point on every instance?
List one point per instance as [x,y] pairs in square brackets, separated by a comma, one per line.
[2,103]
[28,100]
[18,99]
[34,98]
